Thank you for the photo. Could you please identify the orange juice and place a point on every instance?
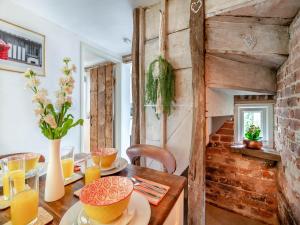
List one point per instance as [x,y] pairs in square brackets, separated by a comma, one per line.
[91,174]
[24,207]
[96,159]
[68,167]
[18,177]
[14,165]
[5,182]
[31,163]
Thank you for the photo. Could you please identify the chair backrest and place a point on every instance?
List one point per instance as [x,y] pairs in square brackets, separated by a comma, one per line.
[161,155]
[41,159]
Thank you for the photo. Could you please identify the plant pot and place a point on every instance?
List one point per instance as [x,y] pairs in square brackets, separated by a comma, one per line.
[253,144]
[54,187]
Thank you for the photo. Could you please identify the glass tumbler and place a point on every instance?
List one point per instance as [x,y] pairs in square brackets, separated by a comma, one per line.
[24,202]
[13,167]
[92,167]
[67,161]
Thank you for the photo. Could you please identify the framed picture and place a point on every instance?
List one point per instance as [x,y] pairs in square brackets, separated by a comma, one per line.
[21,49]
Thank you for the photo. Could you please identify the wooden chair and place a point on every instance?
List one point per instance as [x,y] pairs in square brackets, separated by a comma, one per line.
[166,158]
[41,159]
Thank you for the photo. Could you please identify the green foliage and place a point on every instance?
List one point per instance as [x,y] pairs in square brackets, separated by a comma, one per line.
[253,133]
[163,84]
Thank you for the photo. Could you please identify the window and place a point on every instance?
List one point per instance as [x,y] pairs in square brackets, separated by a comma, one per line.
[260,115]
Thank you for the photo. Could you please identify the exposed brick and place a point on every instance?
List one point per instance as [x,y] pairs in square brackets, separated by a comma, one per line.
[240,183]
[287,127]
[215,137]
[225,131]
[226,139]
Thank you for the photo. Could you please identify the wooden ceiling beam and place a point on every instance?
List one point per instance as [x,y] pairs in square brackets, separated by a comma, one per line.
[253,8]
[247,37]
[248,41]
[228,74]
[218,7]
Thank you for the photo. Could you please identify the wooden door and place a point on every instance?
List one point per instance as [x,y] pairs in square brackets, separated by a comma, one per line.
[101,106]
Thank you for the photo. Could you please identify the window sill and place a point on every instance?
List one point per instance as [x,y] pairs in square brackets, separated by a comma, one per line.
[265,153]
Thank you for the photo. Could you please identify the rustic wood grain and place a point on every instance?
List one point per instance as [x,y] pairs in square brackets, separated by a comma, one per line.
[109,105]
[223,73]
[142,77]
[135,133]
[267,39]
[101,106]
[196,176]
[158,213]
[163,52]
[94,109]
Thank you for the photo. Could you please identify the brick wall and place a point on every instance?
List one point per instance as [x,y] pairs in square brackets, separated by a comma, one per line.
[287,123]
[239,183]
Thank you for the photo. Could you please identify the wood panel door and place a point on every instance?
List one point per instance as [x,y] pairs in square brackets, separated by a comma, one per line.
[101,105]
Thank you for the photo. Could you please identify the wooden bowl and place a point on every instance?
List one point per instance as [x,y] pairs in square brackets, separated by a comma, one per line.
[105,199]
[107,155]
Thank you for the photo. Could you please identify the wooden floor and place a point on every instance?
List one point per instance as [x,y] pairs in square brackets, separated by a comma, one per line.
[217,216]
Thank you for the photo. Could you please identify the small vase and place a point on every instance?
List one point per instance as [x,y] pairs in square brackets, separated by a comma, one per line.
[54,187]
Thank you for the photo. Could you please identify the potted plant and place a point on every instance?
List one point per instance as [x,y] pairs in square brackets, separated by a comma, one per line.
[160,87]
[253,137]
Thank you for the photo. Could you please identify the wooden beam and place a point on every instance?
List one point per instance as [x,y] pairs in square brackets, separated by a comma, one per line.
[267,8]
[247,38]
[109,140]
[101,106]
[142,76]
[217,7]
[135,137]
[163,52]
[94,109]
[196,176]
[224,73]
[272,61]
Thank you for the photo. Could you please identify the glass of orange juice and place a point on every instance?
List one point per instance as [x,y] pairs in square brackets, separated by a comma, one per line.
[92,167]
[13,172]
[24,201]
[67,161]
[31,161]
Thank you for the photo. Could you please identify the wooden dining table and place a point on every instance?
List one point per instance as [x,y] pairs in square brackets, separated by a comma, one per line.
[159,213]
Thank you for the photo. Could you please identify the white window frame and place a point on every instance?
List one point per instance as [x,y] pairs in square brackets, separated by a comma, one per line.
[267,111]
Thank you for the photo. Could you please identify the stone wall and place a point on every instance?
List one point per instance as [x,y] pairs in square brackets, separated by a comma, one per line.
[287,125]
[239,183]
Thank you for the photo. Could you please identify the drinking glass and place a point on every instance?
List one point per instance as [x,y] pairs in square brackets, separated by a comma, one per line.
[92,167]
[25,200]
[31,161]
[67,161]
[13,167]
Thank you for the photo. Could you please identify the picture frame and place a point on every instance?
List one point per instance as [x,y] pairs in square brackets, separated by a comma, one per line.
[24,49]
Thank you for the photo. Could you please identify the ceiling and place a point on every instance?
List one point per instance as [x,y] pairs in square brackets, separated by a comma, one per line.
[103,22]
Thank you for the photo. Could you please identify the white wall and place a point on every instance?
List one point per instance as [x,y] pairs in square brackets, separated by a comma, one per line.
[18,127]
[125,109]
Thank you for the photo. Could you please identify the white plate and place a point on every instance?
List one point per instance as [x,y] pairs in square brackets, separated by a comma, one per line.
[138,203]
[120,165]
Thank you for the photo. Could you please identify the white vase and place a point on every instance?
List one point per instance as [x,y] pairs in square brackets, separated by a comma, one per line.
[54,188]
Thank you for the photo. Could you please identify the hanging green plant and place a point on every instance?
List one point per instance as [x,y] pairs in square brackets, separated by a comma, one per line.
[160,87]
